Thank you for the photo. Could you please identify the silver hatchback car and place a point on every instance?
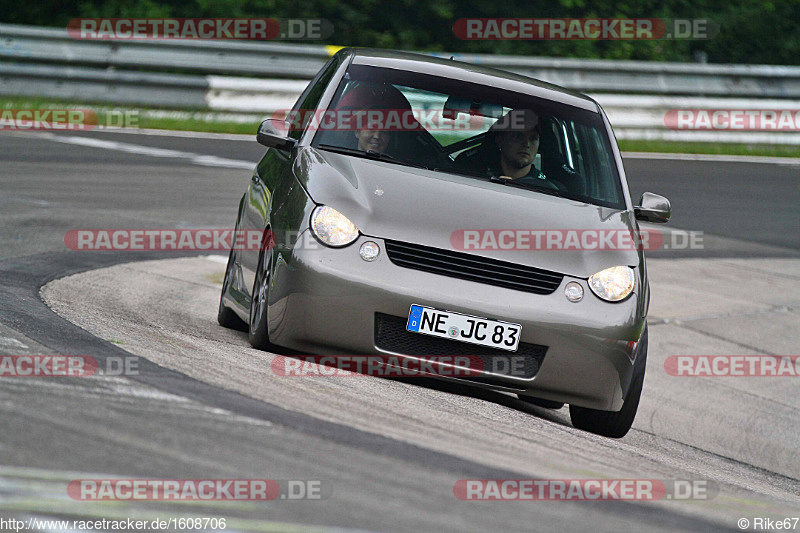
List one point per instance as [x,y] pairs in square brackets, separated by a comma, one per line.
[422,207]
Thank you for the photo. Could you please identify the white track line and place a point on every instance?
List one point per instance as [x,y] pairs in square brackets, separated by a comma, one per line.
[789,161]
[197,159]
[184,134]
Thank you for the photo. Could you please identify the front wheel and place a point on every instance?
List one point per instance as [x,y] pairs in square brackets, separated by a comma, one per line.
[258,334]
[610,423]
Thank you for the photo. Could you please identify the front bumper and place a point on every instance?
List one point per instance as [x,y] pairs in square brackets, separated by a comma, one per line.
[325,300]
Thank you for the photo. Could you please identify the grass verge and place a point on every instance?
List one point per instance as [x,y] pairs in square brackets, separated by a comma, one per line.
[247,123]
[673,147]
[114,116]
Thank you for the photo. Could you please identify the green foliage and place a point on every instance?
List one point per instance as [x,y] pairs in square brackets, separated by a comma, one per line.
[751,31]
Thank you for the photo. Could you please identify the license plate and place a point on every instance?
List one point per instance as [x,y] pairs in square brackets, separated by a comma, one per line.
[465,328]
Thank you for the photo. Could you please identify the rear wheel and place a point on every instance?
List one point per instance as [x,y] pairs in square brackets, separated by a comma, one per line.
[615,424]
[225,316]
[258,334]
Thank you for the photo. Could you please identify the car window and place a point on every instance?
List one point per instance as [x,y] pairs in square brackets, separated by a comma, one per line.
[421,120]
[311,96]
[430,104]
[591,145]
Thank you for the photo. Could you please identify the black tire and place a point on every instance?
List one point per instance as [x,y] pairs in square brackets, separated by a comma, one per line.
[615,424]
[257,332]
[225,316]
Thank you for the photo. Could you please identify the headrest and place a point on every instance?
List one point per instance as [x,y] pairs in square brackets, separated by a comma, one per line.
[374,96]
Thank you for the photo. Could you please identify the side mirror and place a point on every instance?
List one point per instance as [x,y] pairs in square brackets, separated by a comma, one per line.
[653,208]
[273,133]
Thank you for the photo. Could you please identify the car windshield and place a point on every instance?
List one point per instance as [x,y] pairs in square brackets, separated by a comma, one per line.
[419,120]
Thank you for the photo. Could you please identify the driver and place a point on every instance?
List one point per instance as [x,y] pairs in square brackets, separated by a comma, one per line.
[372,140]
[517,137]
[368,96]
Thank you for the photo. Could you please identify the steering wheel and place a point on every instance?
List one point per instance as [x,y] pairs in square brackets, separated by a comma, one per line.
[553,184]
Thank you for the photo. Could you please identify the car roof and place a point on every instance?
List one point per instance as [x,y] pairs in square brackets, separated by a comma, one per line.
[469,72]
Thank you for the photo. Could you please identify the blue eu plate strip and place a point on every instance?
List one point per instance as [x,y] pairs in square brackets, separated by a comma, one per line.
[414,318]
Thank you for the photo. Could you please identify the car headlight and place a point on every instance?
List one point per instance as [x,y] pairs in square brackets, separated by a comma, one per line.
[331,227]
[613,284]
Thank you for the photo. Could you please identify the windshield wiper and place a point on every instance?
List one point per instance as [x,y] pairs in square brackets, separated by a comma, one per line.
[535,188]
[369,154]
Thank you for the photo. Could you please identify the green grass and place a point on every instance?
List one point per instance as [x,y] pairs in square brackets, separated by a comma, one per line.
[203,120]
[773,150]
[146,118]
[191,124]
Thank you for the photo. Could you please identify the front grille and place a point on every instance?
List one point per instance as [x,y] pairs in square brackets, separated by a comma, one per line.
[473,268]
[391,335]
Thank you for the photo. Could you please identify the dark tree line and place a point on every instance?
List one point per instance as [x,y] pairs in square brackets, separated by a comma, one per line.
[751,31]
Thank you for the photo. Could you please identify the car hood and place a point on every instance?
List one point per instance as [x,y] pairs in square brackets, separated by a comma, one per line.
[389,201]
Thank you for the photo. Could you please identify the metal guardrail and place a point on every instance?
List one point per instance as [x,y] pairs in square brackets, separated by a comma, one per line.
[45,62]
[99,85]
[649,77]
[47,45]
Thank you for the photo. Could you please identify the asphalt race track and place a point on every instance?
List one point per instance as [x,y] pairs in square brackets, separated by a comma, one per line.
[202,404]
